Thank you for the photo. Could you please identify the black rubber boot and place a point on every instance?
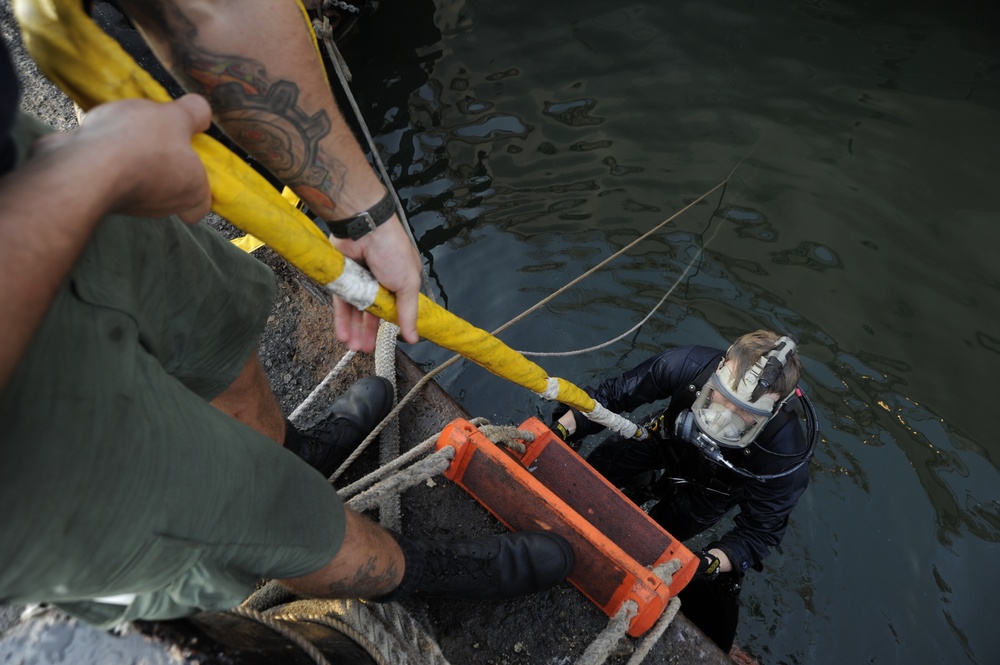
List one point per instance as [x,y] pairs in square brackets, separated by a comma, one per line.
[489,568]
[351,418]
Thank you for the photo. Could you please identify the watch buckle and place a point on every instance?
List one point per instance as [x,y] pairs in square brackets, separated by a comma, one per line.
[365,218]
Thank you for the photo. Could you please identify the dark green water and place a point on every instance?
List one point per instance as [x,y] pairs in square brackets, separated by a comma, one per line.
[532,140]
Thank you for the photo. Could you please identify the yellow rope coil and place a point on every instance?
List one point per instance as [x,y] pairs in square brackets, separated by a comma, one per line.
[93,69]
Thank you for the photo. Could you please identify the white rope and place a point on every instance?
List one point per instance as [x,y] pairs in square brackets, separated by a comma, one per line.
[396,464]
[282,629]
[313,397]
[665,571]
[507,435]
[325,33]
[431,465]
[390,510]
[606,641]
[386,630]
[621,251]
[556,354]
[654,635]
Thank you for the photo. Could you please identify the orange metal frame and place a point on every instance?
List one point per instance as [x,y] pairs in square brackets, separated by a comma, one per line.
[550,487]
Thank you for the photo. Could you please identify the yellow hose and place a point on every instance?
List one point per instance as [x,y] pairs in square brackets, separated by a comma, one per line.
[93,69]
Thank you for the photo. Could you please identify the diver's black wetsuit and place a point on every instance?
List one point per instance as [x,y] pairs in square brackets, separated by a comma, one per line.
[694,493]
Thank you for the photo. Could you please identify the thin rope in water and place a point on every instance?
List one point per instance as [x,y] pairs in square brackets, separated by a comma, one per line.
[694,260]
[596,347]
[573,282]
[325,33]
[541,303]
[602,645]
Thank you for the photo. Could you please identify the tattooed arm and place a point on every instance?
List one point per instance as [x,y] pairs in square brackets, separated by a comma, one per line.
[257,66]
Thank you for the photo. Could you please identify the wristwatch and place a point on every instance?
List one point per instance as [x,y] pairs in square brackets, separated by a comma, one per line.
[365,221]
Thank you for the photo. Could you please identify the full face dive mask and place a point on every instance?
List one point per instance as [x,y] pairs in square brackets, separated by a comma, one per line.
[729,411]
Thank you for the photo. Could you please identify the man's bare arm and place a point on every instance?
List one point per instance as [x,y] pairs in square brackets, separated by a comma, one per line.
[256,64]
[131,157]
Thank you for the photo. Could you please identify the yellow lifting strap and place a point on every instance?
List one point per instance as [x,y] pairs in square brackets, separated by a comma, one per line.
[93,69]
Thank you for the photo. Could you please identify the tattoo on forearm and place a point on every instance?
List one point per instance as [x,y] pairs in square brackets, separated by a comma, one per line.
[275,130]
[262,116]
[368,581]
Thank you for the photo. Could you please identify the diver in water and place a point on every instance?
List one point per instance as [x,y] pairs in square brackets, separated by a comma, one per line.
[730,437]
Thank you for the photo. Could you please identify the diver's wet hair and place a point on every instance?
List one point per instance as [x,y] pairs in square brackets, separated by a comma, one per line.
[747,349]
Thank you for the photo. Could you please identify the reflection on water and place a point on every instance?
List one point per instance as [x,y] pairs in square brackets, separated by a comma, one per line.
[861,216]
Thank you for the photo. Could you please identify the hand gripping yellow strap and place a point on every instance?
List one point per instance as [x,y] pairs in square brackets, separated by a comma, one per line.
[93,69]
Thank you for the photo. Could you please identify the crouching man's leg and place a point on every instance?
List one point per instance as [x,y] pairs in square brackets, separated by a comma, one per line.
[372,562]
[325,446]
[381,565]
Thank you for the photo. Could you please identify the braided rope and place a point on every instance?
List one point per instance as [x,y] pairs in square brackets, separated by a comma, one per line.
[608,639]
[275,624]
[390,509]
[404,401]
[343,627]
[386,630]
[665,571]
[658,630]
[507,435]
[390,650]
[431,465]
[406,458]
[395,616]
[314,396]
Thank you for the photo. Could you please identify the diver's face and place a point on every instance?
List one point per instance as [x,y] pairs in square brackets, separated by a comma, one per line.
[719,398]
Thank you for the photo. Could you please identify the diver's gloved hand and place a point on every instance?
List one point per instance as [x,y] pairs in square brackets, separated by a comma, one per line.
[708,565]
[561,430]
[584,426]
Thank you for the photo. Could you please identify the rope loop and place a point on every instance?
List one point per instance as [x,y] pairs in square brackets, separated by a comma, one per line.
[280,627]
[605,643]
[508,436]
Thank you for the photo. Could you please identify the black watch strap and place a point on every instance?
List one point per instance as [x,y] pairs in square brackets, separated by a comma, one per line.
[364,222]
